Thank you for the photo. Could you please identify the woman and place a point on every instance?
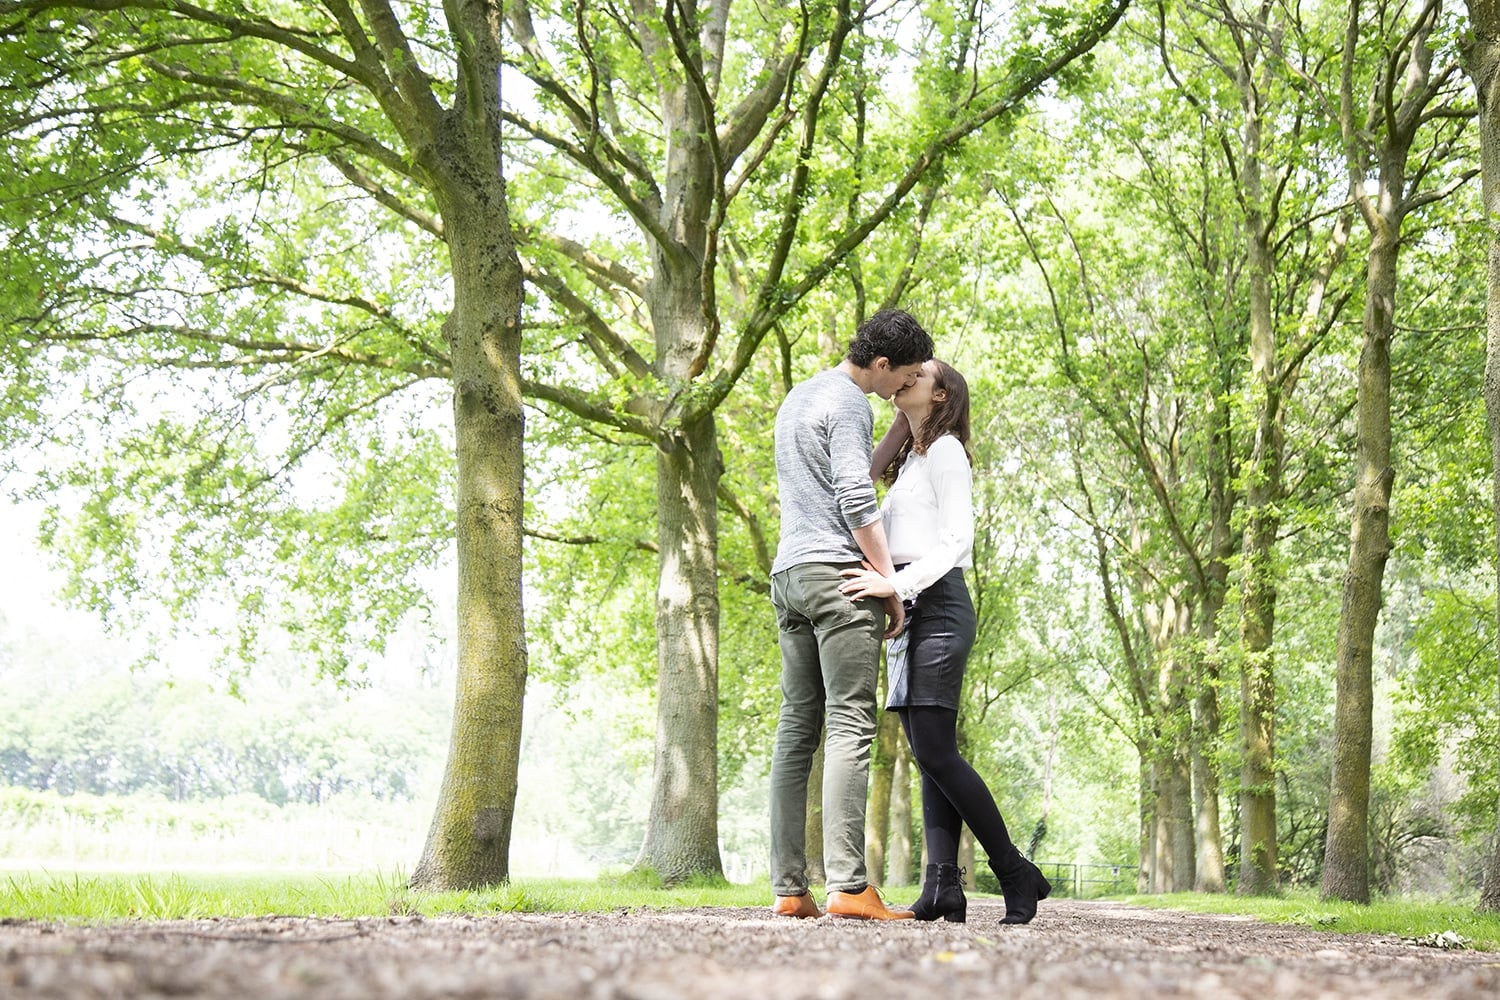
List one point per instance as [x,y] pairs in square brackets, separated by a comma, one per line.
[929,524]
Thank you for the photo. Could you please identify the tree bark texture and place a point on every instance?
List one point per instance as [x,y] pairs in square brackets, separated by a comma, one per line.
[1145,875]
[1388,140]
[813,828]
[1258,873]
[1171,769]
[682,828]
[1346,865]
[898,865]
[1209,875]
[1208,870]
[682,831]
[468,844]
[1482,62]
[887,748]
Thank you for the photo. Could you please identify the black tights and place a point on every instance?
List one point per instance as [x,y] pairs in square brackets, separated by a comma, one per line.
[953,793]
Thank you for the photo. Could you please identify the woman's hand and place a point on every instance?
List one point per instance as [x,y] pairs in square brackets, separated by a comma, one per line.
[865,582]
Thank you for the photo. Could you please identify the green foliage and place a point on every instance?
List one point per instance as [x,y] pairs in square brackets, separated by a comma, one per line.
[183,741]
[1446,709]
[218,337]
[226,373]
[45,830]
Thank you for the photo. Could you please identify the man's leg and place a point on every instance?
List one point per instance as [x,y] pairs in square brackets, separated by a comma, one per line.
[849,637]
[798,730]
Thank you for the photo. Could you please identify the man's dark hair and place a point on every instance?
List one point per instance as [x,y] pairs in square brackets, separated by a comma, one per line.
[891,334]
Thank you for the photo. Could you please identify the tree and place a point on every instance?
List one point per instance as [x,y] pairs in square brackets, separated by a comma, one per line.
[1263,57]
[197,183]
[720,137]
[1401,103]
[1482,63]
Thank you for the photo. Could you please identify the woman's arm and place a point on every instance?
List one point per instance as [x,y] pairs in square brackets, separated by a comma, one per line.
[895,436]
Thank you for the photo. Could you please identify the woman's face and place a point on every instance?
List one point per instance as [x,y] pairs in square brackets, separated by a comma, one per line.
[916,399]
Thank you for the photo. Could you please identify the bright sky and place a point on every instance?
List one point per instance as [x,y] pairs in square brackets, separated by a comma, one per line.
[28,589]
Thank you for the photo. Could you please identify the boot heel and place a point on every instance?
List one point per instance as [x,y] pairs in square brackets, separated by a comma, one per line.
[957,916]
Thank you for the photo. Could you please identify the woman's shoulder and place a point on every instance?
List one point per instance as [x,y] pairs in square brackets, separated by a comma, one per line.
[948,447]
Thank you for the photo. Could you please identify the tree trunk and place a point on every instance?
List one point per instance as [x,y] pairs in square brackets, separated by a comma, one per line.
[682,832]
[1346,861]
[1208,836]
[1145,874]
[1178,833]
[1346,865]
[682,829]
[1258,874]
[898,856]
[813,828]
[1346,868]
[1482,62]
[1171,774]
[966,856]
[1208,843]
[888,740]
[1258,611]
[1209,873]
[468,844]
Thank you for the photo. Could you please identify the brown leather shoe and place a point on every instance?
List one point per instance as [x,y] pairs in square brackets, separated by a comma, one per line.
[866,905]
[796,906]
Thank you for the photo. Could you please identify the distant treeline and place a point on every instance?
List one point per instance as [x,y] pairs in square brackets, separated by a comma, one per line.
[187,741]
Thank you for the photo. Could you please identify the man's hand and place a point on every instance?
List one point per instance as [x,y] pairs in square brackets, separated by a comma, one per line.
[896,612]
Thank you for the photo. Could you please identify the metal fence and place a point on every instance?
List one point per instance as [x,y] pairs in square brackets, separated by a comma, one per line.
[1088,881]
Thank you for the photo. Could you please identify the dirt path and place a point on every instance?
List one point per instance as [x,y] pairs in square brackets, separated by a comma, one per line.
[1072,950]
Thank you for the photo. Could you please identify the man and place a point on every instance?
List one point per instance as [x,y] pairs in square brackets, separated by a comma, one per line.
[830,644]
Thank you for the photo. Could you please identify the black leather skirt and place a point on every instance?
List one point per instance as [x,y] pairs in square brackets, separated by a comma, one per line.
[925,664]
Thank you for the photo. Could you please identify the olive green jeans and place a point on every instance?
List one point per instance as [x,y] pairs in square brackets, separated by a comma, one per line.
[830,656]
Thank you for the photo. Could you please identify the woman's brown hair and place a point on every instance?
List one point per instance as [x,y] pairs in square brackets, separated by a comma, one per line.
[949,415]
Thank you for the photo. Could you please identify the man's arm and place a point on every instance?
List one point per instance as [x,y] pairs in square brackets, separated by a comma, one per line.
[871,541]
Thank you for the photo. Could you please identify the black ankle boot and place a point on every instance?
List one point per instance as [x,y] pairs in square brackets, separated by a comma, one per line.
[942,895]
[1023,884]
[923,905]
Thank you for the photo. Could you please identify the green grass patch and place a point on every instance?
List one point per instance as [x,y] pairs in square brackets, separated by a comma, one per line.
[94,896]
[1428,922]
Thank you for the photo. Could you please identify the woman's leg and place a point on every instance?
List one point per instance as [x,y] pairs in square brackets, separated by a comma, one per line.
[961,792]
[941,822]
[933,733]
[942,881]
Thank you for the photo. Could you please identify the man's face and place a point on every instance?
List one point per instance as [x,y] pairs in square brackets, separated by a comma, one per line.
[889,381]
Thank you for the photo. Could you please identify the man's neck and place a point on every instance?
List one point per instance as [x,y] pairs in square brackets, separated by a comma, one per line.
[863,377]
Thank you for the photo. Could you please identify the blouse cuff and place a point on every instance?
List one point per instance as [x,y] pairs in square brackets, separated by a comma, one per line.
[906,587]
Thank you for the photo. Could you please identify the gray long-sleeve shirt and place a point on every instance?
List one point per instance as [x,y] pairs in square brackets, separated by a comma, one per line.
[824,433]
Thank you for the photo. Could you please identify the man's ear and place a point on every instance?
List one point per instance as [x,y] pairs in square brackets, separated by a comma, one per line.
[881,362]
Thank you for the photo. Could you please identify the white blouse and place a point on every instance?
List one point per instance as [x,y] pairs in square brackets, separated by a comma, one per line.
[929,516]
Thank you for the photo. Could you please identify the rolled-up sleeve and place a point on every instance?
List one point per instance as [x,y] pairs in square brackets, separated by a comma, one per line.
[850,442]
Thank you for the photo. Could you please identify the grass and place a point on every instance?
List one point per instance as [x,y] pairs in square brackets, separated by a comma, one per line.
[1430,922]
[94,896]
[85,897]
